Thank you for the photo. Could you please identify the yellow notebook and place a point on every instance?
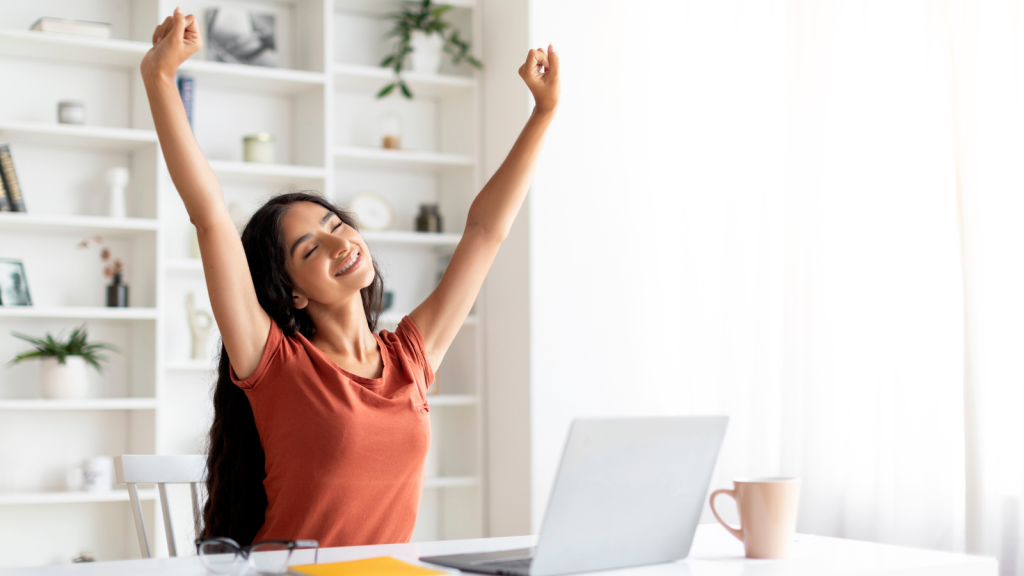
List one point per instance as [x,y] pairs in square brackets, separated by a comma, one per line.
[383,566]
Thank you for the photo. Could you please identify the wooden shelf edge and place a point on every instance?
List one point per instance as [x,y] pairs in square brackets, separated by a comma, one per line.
[403,157]
[452,399]
[74,222]
[411,238]
[42,404]
[83,312]
[450,481]
[116,495]
[81,131]
[229,167]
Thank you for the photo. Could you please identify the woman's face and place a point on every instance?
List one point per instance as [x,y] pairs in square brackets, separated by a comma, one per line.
[327,260]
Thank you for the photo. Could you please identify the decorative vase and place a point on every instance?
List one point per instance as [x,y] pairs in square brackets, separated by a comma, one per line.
[117,180]
[67,381]
[429,219]
[426,52]
[117,293]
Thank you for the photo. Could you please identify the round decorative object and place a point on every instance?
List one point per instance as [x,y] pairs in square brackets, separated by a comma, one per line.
[372,210]
[67,381]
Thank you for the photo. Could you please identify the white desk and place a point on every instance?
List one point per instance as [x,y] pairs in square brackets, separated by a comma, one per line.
[714,553]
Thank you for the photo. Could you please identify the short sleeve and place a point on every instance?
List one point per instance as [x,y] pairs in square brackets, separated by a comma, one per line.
[412,341]
[274,355]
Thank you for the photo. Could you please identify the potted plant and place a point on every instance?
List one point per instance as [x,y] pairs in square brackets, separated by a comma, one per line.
[62,368]
[423,34]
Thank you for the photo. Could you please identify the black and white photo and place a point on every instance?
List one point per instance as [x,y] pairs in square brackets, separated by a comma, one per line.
[241,36]
[13,285]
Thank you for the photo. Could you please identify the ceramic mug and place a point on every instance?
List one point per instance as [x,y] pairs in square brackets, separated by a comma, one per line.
[767,509]
[98,474]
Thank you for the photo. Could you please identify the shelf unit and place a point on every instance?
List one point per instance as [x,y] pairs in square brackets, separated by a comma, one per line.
[84,404]
[321,105]
[72,497]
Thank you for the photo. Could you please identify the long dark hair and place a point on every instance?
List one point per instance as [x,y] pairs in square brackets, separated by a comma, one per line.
[237,501]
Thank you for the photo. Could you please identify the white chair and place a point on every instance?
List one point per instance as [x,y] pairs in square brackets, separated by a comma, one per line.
[133,469]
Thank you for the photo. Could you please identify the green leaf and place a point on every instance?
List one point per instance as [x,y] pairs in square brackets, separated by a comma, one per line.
[386,90]
[388,61]
[77,344]
[405,89]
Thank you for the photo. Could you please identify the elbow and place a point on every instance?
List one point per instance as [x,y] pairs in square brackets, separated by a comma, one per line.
[481,233]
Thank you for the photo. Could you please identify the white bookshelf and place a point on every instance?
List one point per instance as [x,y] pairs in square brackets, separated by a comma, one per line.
[380,158]
[79,313]
[84,404]
[154,398]
[72,497]
[73,135]
[79,225]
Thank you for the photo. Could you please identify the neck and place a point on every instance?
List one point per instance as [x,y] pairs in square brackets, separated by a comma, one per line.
[341,329]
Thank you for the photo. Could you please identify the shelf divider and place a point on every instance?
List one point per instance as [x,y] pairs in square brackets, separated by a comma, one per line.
[83,404]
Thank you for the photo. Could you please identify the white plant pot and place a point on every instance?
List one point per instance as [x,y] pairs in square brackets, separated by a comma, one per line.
[426,52]
[66,381]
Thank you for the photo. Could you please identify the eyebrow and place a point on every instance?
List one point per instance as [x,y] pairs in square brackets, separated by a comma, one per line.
[305,237]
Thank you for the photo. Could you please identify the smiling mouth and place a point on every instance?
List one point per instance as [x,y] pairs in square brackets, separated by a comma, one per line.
[350,264]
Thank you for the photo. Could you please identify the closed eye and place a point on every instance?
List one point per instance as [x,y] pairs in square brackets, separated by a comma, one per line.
[309,253]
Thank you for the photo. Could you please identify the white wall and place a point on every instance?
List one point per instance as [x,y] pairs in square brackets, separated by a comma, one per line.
[506,106]
[605,213]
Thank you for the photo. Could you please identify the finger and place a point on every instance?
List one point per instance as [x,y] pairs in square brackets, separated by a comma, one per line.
[531,59]
[161,30]
[179,23]
[552,59]
[534,60]
[542,58]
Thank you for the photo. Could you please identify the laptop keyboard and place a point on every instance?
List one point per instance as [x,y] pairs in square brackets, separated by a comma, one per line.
[512,564]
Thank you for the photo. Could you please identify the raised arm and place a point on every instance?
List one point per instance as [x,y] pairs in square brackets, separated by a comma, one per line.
[490,218]
[243,323]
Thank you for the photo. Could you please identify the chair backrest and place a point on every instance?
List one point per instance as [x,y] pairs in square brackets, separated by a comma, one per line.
[134,469]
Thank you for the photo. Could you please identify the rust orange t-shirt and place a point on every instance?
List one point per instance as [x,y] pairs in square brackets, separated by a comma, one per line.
[344,454]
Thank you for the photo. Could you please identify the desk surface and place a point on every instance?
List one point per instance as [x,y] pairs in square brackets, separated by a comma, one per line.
[714,553]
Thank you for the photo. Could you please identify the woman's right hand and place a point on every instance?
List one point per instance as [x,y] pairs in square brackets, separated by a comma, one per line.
[173,42]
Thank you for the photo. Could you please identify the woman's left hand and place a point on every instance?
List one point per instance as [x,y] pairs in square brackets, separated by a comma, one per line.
[540,72]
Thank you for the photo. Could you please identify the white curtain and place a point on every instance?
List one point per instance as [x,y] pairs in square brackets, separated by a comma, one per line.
[858,241]
[823,204]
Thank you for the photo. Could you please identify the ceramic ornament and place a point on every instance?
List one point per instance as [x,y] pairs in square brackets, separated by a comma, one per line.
[200,322]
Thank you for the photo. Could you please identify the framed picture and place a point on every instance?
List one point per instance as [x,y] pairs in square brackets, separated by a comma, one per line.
[241,36]
[13,285]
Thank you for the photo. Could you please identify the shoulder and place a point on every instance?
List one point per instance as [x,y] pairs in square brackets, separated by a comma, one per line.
[406,342]
[277,352]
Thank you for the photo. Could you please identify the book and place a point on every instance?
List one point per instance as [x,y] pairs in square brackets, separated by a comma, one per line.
[382,566]
[13,191]
[5,205]
[76,27]
[186,89]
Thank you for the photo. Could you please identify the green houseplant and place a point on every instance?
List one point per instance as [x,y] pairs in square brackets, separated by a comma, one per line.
[421,31]
[62,371]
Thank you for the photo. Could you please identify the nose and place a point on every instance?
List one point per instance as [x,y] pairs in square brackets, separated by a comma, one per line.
[337,245]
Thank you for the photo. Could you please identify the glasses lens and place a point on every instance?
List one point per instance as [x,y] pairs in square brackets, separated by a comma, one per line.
[218,557]
[269,557]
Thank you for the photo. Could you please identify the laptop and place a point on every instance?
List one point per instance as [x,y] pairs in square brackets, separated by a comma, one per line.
[628,492]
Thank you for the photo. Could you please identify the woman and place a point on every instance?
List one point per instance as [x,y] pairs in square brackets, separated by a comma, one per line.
[320,427]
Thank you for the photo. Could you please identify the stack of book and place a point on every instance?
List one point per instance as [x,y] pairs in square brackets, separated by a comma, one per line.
[76,27]
[10,191]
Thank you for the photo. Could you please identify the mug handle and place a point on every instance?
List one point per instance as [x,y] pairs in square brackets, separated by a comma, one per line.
[737,532]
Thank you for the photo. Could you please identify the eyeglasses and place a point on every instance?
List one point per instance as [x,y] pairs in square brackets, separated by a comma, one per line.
[219,555]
